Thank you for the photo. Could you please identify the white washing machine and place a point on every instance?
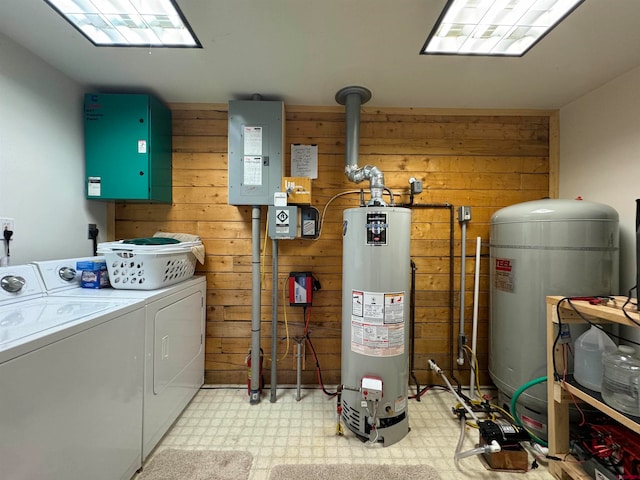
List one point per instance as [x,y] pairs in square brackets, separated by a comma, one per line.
[174,341]
[70,377]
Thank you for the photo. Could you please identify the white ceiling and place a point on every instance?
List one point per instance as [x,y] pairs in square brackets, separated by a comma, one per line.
[304,51]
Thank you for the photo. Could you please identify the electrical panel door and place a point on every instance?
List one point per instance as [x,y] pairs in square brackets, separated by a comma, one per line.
[256,146]
[127,147]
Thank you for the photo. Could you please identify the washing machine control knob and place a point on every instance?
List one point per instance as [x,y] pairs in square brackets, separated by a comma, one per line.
[12,283]
[67,273]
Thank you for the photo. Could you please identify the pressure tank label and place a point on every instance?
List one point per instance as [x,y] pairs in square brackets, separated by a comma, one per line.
[503,278]
[377,323]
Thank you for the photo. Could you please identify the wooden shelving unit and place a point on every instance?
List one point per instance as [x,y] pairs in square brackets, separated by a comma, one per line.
[562,394]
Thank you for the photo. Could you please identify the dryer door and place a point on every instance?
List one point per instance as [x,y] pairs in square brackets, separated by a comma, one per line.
[178,344]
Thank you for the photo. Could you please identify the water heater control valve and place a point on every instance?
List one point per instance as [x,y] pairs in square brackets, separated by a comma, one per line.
[371,388]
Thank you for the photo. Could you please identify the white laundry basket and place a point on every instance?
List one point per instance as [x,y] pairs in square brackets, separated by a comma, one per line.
[147,267]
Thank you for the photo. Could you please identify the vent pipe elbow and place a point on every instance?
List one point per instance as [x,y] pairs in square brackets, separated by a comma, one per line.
[353,98]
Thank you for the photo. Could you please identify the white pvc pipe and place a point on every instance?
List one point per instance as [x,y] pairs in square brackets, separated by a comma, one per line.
[434,366]
[474,334]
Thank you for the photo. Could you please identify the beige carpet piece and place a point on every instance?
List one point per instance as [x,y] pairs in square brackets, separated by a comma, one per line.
[197,465]
[353,472]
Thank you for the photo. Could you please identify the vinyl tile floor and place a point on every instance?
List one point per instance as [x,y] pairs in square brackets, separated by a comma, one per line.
[304,431]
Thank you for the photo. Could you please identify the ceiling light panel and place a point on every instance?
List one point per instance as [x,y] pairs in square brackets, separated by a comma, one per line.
[494,27]
[132,23]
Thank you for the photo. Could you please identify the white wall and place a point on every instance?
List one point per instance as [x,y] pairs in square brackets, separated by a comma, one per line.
[600,157]
[42,160]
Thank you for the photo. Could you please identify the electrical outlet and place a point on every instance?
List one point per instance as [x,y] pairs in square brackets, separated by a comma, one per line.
[92,232]
[6,224]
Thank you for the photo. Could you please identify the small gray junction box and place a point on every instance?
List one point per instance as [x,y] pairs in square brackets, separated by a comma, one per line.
[283,222]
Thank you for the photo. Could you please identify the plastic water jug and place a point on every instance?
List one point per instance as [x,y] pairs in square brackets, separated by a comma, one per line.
[589,348]
[621,380]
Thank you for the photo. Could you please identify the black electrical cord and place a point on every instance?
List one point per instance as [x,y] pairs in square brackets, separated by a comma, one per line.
[307,332]
[93,235]
[626,314]
[7,240]
[585,319]
[556,376]
[315,357]
[597,325]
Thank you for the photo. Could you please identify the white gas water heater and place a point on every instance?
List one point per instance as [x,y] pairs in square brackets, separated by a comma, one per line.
[376,270]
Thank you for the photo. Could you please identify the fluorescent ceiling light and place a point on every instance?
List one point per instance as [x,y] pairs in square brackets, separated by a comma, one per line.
[494,27]
[128,23]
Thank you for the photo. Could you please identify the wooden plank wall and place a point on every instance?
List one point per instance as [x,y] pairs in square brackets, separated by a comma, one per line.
[485,160]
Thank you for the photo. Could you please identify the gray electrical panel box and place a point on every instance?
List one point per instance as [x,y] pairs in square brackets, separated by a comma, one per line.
[283,222]
[256,151]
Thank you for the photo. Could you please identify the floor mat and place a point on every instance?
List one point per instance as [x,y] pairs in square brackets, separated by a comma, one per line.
[197,465]
[353,472]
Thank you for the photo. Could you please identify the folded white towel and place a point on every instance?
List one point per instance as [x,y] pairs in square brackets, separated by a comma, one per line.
[197,250]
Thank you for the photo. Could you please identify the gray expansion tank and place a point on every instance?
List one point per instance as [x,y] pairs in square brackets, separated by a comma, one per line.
[541,248]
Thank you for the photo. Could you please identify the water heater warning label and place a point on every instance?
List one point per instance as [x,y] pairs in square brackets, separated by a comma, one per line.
[377,323]
[503,278]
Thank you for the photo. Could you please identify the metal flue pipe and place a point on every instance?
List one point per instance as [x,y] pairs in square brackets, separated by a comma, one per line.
[352,98]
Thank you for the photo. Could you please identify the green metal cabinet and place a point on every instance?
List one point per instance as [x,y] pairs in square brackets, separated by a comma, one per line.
[127,147]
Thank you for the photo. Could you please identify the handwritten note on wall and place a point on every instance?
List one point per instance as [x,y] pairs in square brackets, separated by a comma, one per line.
[304,160]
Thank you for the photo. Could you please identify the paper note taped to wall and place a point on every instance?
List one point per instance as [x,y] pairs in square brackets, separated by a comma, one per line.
[304,160]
